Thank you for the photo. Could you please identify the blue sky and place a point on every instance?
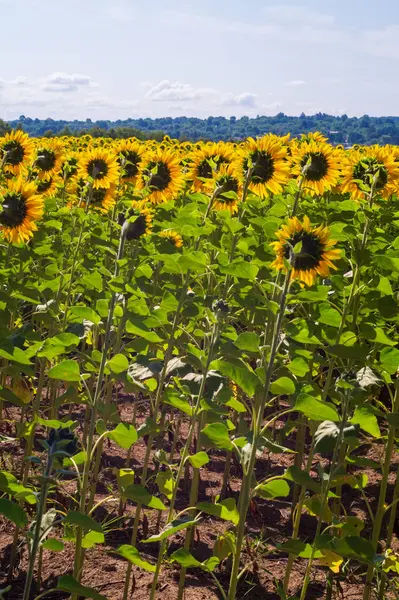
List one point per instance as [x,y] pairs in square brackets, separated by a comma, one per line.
[109,59]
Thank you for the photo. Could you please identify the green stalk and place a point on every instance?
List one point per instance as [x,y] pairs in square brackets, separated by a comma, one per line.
[383,492]
[186,450]
[391,525]
[245,494]
[93,416]
[36,536]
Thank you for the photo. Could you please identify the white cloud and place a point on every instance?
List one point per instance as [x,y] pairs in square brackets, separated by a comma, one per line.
[244,99]
[382,42]
[296,82]
[66,82]
[167,91]
[297,14]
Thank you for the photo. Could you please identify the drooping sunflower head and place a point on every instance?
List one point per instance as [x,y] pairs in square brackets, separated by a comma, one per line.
[173,237]
[314,136]
[263,162]
[138,221]
[319,165]
[130,156]
[227,188]
[101,166]
[46,187]
[161,176]
[16,150]
[21,207]
[48,158]
[374,167]
[309,251]
[206,162]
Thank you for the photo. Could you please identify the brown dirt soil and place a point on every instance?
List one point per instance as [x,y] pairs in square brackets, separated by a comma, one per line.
[269,522]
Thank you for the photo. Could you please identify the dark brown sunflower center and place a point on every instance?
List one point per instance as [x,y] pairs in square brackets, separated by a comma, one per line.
[43,185]
[15,152]
[204,168]
[318,166]
[262,165]
[137,228]
[367,169]
[13,210]
[132,161]
[45,159]
[97,168]
[161,178]
[97,196]
[311,253]
[227,184]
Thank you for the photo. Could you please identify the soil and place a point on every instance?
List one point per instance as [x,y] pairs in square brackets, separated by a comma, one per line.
[269,522]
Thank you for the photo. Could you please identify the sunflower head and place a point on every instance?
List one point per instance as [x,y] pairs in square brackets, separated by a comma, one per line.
[227,188]
[374,167]
[319,165]
[263,163]
[16,150]
[173,237]
[99,165]
[21,207]
[206,161]
[138,222]
[48,159]
[103,199]
[304,250]
[70,166]
[161,176]
[130,156]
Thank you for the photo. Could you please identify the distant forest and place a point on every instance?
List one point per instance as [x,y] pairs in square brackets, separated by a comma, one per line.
[339,130]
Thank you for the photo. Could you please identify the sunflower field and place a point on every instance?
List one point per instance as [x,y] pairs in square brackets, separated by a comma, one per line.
[199,351]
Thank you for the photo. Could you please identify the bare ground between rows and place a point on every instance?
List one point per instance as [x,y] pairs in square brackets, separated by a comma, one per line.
[268,523]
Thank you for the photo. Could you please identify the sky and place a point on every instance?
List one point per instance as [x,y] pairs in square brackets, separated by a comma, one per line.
[115,59]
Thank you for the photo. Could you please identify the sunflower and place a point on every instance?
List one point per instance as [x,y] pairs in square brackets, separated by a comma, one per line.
[206,161]
[48,158]
[103,198]
[131,153]
[45,187]
[264,161]
[101,165]
[228,188]
[173,237]
[361,168]
[70,166]
[313,136]
[160,173]
[318,163]
[139,222]
[21,207]
[16,150]
[315,255]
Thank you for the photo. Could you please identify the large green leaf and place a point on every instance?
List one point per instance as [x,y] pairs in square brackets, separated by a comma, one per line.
[13,512]
[138,328]
[365,417]
[226,509]
[218,436]
[240,373]
[67,370]
[315,409]
[124,434]
[277,488]
[131,554]
[171,528]
[282,386]
[139,494]
[82,520]
[68,584]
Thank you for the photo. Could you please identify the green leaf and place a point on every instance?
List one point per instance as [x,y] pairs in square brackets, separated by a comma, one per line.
[355,547]
[240,269]
[176,399]
[302,478]
[282,386]
[171,528]
[199,459]
[226,510]
[329,316]
[53,545]
[277,488]
[124,434]
[185,559]
[138,328]
[131,554]
[193,260]
[298,367]
[375,334]
[118,363]
[67,583]
[249,341]
[315,409]
[85,313]
[240,373]
[13,512]
[65,339]
[92,538]
[218,436]
[67,370]
[365,417]
[84,521]
[389,359]
[139,494]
